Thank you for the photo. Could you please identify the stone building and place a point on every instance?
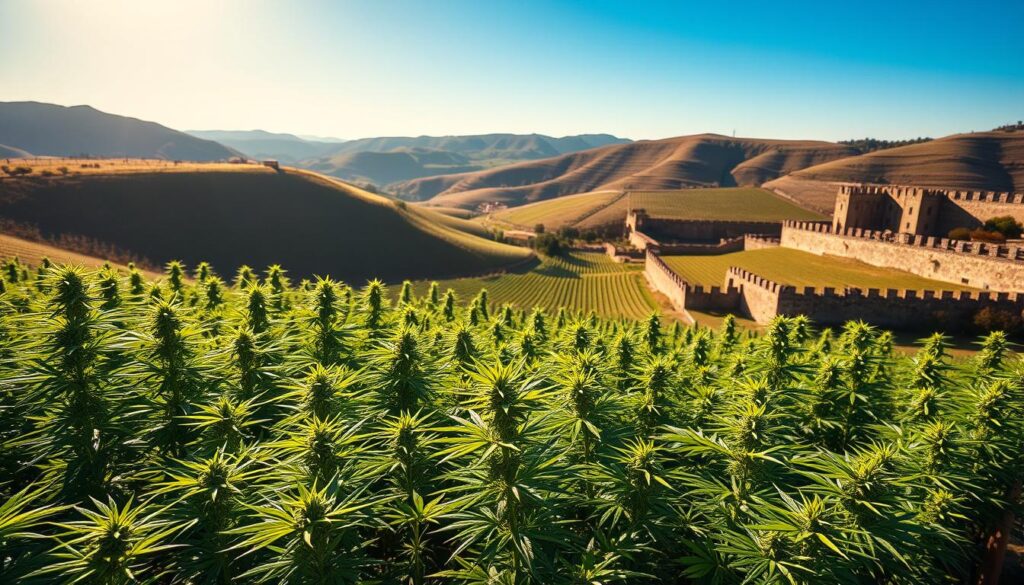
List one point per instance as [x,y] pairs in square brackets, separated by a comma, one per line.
[921,211]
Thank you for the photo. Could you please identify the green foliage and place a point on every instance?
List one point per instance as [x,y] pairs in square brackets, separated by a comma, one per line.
[271,433]
[1006,225]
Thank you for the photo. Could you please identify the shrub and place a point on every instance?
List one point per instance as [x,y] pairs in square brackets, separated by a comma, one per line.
[538,229]
[547,244]
[16,171]
[991,319]
[983,235]
[1006,225]
[960,233]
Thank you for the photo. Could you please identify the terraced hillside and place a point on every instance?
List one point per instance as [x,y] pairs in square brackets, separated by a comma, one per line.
[980,160]
[591,210]
[797,268]
[253,215]
[580,281]
[701,160]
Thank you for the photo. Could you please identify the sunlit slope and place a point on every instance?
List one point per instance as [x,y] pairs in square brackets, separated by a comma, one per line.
[701,160]
[981,160]
[33,253]
[301,220]
[604,208]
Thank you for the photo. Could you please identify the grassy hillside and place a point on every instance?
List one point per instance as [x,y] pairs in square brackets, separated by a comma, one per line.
[981,160]
[580,281]
[387,160]
[52,130]
[701,160]
[797,268]
[382,168]
[253,215]
[33,253]
[609,207]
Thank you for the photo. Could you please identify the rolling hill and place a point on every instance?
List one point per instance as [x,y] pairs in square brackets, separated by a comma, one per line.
[486,146]
[700,160]
[252,215]
[980,160]
[382,168]
[385,160]
[52,130]
[603,209]
[33,253]
[260,144]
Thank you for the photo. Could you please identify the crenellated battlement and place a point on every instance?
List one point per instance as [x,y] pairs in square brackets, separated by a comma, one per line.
[735,273]
[749,278]
[906,191]
[1011,252]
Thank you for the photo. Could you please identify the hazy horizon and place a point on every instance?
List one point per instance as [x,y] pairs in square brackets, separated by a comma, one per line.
[640,70]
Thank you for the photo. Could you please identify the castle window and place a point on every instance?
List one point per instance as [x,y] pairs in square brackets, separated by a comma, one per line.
[908,225]
[911,211]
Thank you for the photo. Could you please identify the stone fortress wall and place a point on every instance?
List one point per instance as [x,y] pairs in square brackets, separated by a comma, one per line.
[974,264]
[674,235]
[920,210]
[979,265]
[763,299]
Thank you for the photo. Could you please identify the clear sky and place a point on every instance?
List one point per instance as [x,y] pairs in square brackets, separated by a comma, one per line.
[823,69]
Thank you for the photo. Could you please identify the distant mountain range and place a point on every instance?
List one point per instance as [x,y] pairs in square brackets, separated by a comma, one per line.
[384,160]
[287,148]
[50,130]
[465,171]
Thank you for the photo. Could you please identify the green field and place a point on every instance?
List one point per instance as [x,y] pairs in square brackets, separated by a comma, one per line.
[797,268]
[604,207]
[582,281]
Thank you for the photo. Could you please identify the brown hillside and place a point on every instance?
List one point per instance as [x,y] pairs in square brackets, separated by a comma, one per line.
[981,160]
[701,160]
[32,253]
[303,221]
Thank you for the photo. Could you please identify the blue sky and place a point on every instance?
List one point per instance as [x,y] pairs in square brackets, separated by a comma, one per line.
[824,70]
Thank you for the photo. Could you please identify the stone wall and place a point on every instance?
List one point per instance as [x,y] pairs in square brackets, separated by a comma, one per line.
[707,230]
[759,297]
[664,280]
[975,264]
[623,254]
[666,230]
[920,210]
[682,294]
[756,242]
[762,299]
